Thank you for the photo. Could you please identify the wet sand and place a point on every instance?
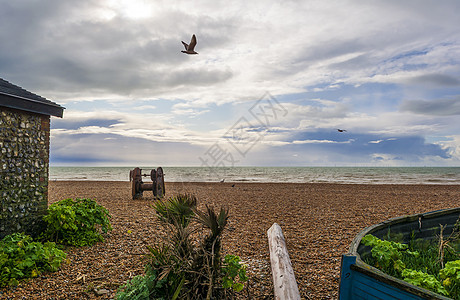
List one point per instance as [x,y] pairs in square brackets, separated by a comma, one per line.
[318,221]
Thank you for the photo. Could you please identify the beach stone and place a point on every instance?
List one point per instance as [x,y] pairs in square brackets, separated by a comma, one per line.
[101,292]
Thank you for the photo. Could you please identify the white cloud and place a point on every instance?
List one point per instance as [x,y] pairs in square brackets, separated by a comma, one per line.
[452,145]
[321,142]
[375,142]
[245,49]
[369,67]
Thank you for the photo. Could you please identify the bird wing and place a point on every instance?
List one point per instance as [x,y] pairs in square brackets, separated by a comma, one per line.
[192,43]
[185,45]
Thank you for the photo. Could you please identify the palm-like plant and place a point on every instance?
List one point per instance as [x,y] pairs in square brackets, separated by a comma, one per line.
[208,261]
[182,270]
[165,269]
[215,222]
[177,210]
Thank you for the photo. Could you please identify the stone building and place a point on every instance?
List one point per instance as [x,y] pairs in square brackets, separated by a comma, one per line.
[24,164]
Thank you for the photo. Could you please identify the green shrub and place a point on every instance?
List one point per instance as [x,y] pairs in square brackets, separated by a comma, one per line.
[451,274]
[149,286]
[137,288]
[21,257]
[388,255]
[234,273]
[423,280]
[77,222]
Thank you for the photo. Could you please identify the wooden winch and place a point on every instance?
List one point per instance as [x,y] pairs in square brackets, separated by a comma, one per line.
[138,186]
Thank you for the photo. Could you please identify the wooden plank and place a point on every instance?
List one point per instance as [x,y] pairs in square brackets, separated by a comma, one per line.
[284,283]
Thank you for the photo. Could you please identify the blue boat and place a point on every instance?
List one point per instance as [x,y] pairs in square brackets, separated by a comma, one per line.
[359,280]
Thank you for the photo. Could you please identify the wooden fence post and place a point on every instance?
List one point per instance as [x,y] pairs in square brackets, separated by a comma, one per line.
[284,284]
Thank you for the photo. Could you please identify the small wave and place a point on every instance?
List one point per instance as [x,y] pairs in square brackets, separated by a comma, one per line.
[342,175]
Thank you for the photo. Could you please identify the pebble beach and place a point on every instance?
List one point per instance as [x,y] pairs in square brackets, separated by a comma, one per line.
[319,221]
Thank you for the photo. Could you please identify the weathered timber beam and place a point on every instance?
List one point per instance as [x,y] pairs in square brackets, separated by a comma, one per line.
[284,284]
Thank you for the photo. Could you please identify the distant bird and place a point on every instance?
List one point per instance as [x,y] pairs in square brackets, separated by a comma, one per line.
[222,180]
[189,49]
[341,130]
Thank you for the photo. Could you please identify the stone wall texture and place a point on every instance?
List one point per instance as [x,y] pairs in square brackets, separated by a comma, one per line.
[24,143]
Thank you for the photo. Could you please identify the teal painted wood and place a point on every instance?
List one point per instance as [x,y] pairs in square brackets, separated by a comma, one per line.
[356,285]
[365,287]
[346,277]
[358,280]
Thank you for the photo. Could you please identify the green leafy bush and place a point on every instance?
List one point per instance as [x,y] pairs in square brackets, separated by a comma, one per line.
[77,222]
[137,288]
[387,254]
[234,273]
[451,274]
[21,257]
[149,286]
[423,270]
[423,280]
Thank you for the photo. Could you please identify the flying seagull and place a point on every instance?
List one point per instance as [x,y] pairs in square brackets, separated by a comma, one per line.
[189,49]
[341,130]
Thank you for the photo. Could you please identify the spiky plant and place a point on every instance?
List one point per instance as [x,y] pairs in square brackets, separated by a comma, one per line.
[207,262]
[177,210]
[168,269]
[172,260]
[178,268]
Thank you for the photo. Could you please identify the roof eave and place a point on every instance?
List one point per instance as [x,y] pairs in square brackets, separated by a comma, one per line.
[11,101]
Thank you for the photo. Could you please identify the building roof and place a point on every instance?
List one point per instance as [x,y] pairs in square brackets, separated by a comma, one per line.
[13,96]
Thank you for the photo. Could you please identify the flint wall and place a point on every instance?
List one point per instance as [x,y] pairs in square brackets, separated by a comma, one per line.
[24,143]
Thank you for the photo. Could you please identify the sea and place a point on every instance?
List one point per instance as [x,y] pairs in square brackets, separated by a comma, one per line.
[342,175]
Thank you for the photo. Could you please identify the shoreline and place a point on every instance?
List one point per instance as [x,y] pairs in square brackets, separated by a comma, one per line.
[319,222]
[342,175]
[259,182]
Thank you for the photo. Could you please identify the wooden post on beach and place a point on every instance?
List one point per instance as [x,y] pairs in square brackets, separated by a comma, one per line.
[284,283]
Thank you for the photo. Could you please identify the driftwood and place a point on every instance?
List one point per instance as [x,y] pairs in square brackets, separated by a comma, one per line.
[284,284]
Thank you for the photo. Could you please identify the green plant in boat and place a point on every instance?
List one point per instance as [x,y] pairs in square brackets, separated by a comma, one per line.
[417,264]
[451,274]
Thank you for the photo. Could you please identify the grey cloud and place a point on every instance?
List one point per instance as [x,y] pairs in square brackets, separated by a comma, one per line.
[410,148]
[441,107]
[195,77]
[75,124]
[312,53]
[335,48]
[357,63]
[123,71]
[112,149]
[435,80]
[441,13]
[64,48]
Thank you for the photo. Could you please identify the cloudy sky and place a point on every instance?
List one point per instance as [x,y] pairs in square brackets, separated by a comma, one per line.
[272,83]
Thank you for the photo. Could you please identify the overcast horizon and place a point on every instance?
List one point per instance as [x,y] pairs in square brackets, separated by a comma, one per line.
[308,83]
